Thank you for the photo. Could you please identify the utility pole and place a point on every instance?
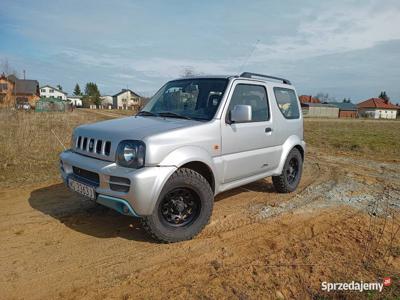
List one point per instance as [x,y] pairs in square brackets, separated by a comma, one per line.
[24,73]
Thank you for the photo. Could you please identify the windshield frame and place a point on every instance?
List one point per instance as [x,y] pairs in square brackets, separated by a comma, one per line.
[157,95]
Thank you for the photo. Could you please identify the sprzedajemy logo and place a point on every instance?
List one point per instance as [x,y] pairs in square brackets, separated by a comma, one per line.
[356,285]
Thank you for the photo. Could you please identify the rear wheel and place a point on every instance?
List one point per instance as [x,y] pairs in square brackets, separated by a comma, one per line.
[291,174]
[183,209]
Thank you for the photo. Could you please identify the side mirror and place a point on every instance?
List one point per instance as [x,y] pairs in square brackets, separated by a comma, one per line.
[241,113]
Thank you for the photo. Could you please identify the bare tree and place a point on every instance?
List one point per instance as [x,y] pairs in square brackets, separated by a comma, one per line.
[324,97]
[188,71]
[6,68]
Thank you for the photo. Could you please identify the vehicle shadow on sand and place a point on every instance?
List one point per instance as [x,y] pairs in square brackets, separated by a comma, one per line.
[87,217]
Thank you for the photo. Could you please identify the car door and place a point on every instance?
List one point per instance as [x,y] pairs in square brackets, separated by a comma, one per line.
[248,148]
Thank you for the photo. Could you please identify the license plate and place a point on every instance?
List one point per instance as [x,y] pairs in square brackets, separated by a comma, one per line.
[82,189]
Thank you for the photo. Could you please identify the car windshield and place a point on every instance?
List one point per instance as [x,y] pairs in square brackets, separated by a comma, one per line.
[196,99]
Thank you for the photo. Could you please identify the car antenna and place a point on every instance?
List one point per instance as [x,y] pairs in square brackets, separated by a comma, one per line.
[249,56]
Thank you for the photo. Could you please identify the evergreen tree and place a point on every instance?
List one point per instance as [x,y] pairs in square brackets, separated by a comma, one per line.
[59,87]
[384,96]
[77,90]
[92,94]
[346,100]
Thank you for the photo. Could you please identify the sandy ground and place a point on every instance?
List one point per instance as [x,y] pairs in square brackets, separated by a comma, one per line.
[342,224]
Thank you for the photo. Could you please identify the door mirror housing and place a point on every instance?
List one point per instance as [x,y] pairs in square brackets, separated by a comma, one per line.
[240,114]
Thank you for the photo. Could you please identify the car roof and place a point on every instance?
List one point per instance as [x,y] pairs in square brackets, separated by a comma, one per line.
[258,78]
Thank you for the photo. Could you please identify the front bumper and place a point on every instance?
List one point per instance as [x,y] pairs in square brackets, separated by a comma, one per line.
[145,183]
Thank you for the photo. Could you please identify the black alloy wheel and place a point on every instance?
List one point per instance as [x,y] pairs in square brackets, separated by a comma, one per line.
[180,207]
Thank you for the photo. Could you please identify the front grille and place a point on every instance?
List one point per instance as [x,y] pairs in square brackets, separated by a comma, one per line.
[91,145]
[119,184]
[87,175]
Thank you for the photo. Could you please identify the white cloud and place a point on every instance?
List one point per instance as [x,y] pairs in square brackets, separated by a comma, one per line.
[334,30]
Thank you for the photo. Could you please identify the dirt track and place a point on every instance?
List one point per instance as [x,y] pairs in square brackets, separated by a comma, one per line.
[339,226]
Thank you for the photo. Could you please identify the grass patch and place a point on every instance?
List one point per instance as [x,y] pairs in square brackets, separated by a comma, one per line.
[375,139]
[29,150]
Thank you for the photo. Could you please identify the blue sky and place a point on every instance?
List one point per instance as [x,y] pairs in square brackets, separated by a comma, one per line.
[344,48]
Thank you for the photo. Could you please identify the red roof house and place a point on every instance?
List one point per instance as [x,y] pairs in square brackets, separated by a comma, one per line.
[308,99]
[377,108]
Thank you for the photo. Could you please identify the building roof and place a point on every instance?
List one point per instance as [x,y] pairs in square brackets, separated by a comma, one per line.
[50,99]
[344,105]
[4,77]
[24,86]
[12,78]
[74,97]
[56,89]
[124,91]
[318,105]
[377,103]
[308,99]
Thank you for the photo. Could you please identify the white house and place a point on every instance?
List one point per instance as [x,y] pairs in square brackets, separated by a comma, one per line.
[377,108]
[126,98]
[75,100]
[48,91]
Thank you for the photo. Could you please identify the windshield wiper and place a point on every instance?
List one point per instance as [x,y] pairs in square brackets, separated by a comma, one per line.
[173,115]
[146,113]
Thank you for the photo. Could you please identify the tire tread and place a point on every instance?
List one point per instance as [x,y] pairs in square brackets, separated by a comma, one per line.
[191,176]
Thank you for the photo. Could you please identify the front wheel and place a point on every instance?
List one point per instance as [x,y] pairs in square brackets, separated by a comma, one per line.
[183,208]
[291,174]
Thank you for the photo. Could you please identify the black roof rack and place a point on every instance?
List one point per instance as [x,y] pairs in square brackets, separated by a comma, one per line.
[251,75]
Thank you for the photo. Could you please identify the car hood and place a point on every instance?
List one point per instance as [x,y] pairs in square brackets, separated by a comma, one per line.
[131,128]
[108,134]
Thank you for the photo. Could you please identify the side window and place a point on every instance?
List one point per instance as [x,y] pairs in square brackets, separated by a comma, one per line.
[253,95]
[287,102]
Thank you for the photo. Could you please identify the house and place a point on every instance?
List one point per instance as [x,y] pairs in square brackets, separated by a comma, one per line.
[106,100]
[15,91]
[75,100]
[320,110]
[346,109]
[48,91]
[7,97]
[308,99]
[377,108]
[126,99]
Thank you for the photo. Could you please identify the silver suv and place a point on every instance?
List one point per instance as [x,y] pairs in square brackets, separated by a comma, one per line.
[196,138]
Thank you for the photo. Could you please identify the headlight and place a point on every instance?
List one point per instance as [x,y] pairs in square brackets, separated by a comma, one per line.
[131,154]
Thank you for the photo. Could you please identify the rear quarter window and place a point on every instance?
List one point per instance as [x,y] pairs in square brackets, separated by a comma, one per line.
[287,102]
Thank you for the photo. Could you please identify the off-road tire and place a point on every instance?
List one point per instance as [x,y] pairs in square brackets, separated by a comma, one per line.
[281,183]
[182,178]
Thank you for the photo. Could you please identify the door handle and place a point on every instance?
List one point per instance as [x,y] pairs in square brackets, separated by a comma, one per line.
[268,130]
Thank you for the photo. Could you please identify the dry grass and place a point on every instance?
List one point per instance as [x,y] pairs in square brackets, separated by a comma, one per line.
[29,150]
